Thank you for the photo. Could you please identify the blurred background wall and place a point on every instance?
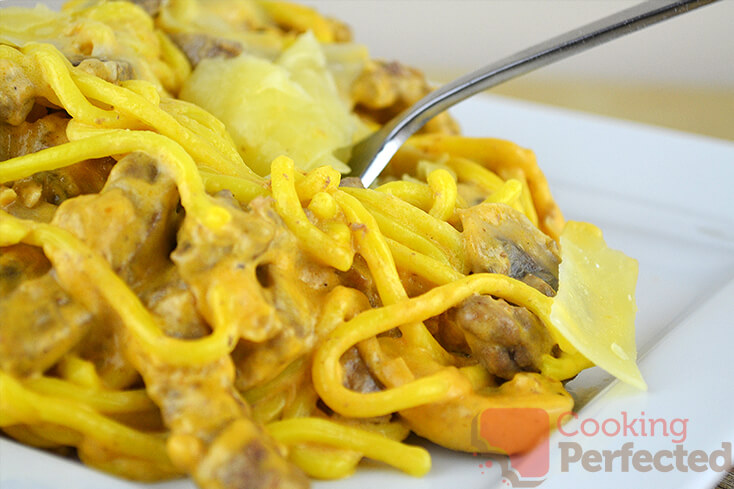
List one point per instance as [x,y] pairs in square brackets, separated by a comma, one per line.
[678,74]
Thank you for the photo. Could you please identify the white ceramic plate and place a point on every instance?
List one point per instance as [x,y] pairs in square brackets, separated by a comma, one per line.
[662,197]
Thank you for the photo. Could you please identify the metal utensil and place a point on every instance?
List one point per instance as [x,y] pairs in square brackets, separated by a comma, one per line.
[371,155]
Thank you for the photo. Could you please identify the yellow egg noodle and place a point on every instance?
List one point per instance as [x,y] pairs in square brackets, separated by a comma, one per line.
[190,286]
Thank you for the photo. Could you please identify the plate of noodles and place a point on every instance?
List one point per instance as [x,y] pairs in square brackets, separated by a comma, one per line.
[193,295]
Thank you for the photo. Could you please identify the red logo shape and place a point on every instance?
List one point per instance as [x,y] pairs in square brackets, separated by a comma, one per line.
[521,433]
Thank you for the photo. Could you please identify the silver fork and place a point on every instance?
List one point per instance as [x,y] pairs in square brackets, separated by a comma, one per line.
[371,155]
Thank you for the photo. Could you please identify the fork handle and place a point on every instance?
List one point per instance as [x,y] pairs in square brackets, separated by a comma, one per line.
[371,156]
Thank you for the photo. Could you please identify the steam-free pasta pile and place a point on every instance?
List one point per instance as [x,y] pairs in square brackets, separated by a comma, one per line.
[189,286]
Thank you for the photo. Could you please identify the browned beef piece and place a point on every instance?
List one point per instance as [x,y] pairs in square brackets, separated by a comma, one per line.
[198,46]
[257,261]
[384,89]
[113,71]
[212,435]
[131,222]
[39,323]
[357,376]
[506,339]
[260,362]
[499,239]
[353,182]
[19,263]
[451,337]
[54,186]
[168,297]
[359,277]
[17,94]
[342,31]
[28,137]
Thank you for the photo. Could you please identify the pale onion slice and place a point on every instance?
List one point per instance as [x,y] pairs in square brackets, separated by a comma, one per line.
[290,106]
[595,308]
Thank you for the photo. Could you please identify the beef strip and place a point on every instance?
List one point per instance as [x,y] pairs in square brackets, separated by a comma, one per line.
[54,186]
[29,137]
[359,277]
[357,376]
[385,89]
[168,297]
[260,362]
[354,182]
[197,46]
[133,224]
[342,32]
[19,263]
[506,339]
[39,323]
[113,71]
[449,334]
[260,265]
[499,239]
[212,435]
[17,94]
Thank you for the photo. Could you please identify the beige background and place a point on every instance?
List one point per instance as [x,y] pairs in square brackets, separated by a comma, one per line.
[678,74]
